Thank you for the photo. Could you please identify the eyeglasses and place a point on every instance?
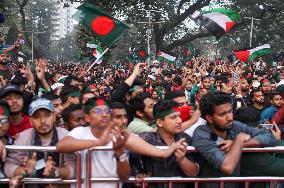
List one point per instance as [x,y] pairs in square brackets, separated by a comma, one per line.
[4,121]
[100,111]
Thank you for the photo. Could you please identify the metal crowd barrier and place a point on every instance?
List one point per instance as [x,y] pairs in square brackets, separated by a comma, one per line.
[171,180]
[77,181]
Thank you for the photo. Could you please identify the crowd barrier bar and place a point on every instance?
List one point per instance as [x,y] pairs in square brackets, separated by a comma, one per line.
[76,181]
[171,180]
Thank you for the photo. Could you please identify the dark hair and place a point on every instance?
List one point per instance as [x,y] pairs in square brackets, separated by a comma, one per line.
[253,91]
[86,92]
[164,105]
[175,94]
[117,105]
[245,115]
[50,96]
[177,80]
[273,94]
[67,90]
[137,103]
[67,111]
[206,77]
[69,79]
[19,80]
[212,99]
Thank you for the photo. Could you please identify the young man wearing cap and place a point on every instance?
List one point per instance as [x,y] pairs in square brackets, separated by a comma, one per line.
[179,164]
[18,120]
[43,133]
[57,104]
[100,132]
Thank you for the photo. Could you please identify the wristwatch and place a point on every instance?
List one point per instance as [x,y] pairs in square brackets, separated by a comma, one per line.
[122,157]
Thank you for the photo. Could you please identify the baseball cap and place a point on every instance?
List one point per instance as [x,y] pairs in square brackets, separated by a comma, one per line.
[11,88]
[40,103]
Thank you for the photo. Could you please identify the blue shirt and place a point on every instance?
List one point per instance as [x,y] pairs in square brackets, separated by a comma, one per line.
[212,157]
[268,114]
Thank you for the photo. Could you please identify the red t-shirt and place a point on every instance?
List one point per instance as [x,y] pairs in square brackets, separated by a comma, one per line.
[23,125]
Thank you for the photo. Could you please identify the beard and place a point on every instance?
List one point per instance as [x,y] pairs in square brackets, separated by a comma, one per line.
[244,89]
[15,113]
[224,128]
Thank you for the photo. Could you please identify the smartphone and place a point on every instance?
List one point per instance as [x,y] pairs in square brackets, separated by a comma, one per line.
[266,126]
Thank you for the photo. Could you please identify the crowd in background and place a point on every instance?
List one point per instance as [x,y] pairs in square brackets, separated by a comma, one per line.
[219,107]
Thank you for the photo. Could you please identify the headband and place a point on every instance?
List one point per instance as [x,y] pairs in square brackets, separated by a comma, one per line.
[98,102]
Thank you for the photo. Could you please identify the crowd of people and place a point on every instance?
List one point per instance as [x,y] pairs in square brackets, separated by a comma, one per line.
[218,107]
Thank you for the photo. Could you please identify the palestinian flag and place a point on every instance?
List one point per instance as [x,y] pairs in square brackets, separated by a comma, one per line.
[106,28]
[247,56]
[217,21]
[162,56]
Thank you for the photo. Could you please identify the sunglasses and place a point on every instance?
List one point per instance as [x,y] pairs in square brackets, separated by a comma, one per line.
[100,111]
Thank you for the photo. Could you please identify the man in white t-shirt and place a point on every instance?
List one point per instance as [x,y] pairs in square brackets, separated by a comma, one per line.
[104,163]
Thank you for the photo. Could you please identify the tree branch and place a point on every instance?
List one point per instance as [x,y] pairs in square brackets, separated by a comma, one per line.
[187,39]
[180,5]
[174,22]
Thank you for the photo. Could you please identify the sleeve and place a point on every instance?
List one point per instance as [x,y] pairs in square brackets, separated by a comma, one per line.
[264,115]
[208,148]
[76,133]
[14,158]
[138,129]
[119,93]
[278,117]
[265,137]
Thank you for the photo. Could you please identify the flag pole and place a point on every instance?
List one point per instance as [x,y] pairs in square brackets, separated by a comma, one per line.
[97,59]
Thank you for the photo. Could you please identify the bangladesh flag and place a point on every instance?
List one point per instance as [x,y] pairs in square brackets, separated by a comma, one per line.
[217,21]
[141,55]
[106,28]
[161,56]
[247,56]
[187,54]
[97,53]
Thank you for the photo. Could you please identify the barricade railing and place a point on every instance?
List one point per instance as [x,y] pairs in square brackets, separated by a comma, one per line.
[171,180]
[77,181]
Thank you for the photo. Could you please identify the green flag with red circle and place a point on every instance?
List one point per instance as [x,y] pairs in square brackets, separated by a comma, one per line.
[106,28]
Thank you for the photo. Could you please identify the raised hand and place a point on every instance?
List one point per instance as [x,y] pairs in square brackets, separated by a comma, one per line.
[29,164]
[49,170]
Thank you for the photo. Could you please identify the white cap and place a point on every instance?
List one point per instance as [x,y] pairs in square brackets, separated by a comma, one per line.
[56,85]
[255,84]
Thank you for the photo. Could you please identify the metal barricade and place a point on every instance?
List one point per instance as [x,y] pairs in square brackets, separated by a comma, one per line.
[171,180]
[77,181]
